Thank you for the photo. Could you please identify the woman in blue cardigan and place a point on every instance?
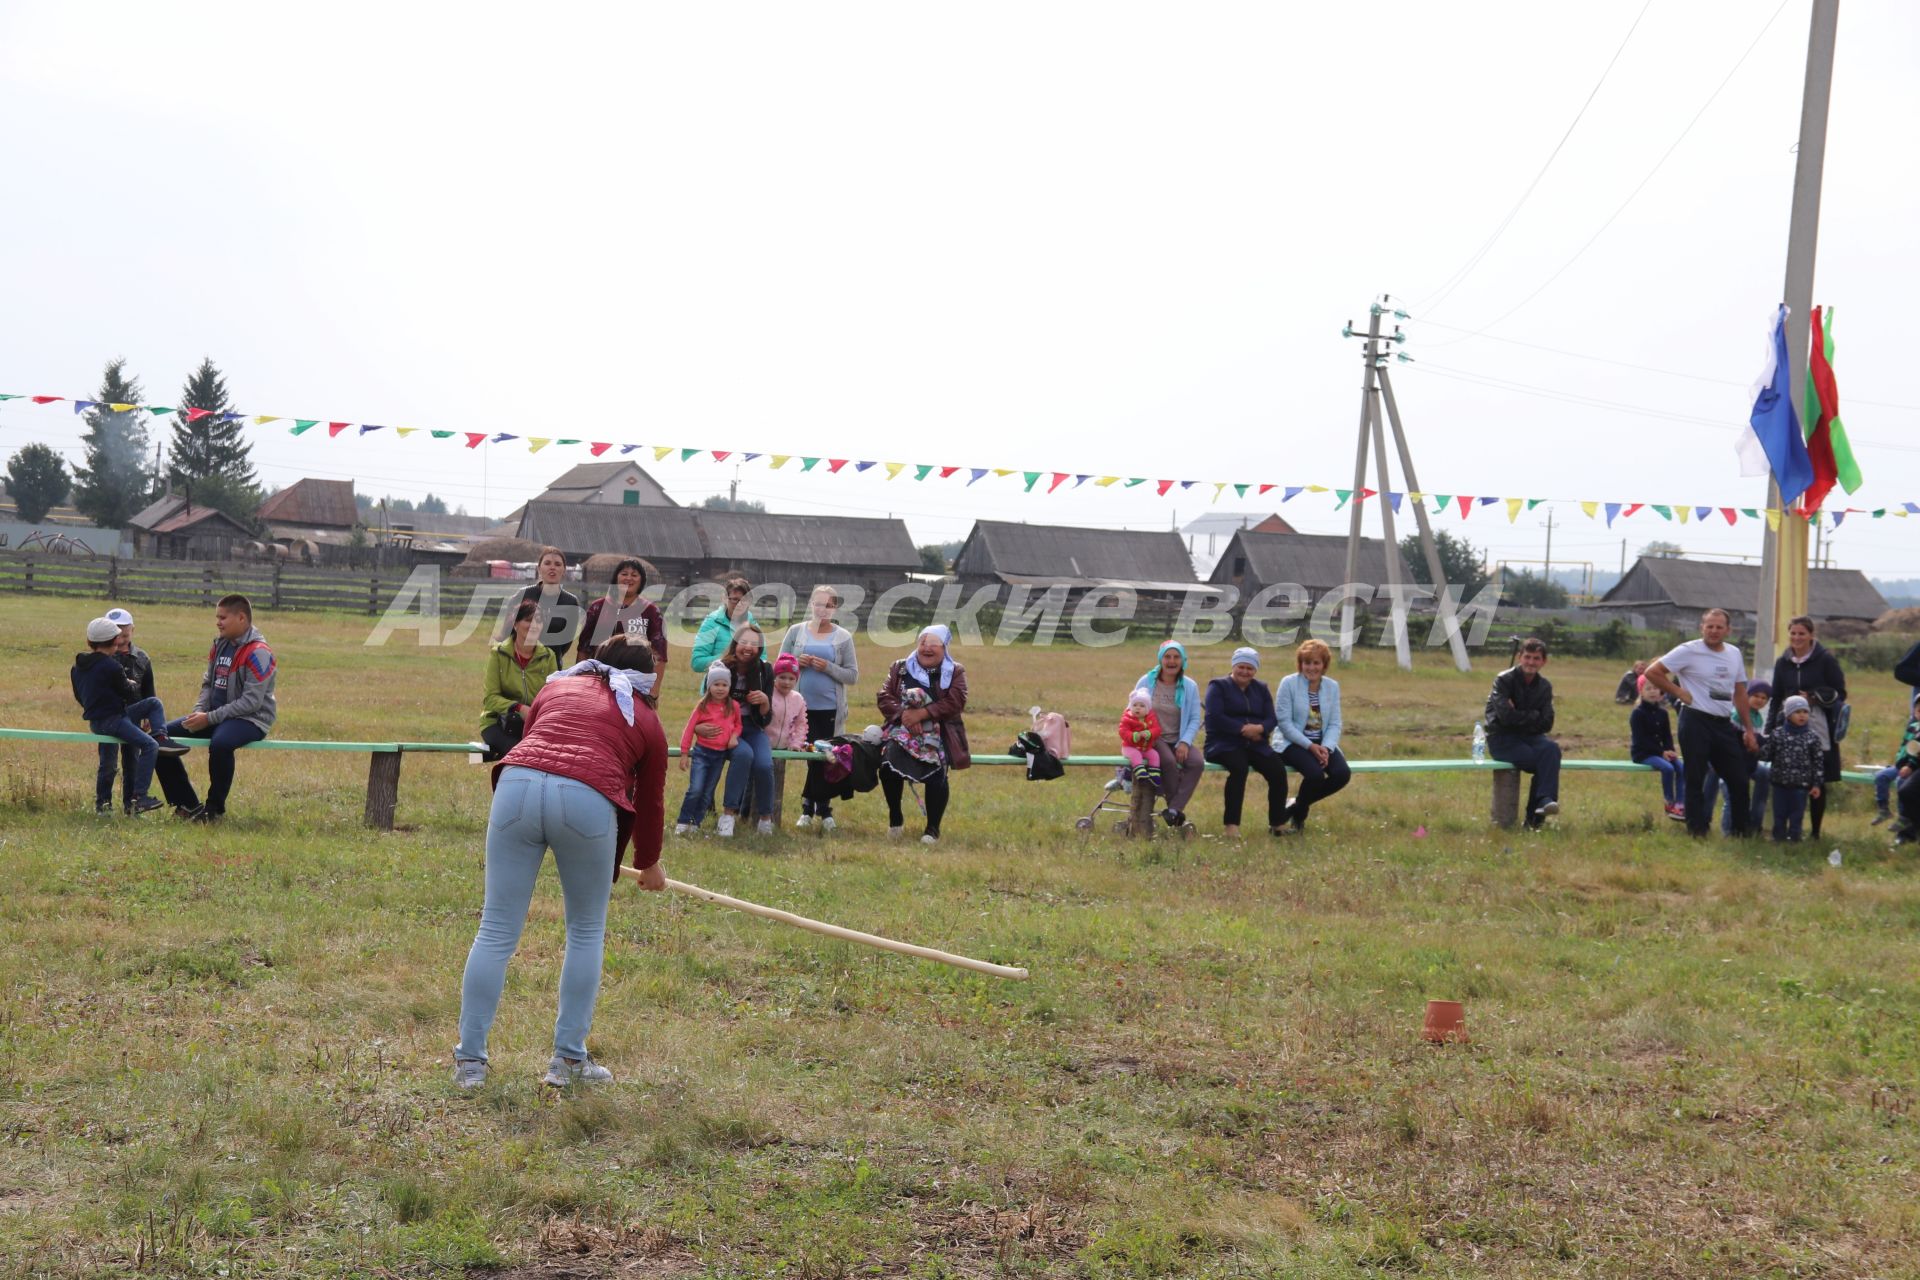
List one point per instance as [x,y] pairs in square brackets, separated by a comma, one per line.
[1240,724]
[1308,706]
[1176,700]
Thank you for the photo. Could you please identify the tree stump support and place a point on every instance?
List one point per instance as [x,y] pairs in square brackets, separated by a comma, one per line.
[1506,797]
[383,789]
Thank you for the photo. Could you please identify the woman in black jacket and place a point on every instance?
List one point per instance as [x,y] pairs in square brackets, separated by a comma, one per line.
[1809,670]
[752,760]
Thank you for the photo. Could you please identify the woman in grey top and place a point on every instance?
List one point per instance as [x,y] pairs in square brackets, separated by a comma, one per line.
[827,667]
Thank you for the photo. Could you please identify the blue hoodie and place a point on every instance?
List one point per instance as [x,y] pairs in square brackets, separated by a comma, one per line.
[1186,694]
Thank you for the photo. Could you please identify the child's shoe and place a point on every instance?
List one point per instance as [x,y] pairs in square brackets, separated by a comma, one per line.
[828,824]
[1883,814]
[1677,812]
[168,747]
[725,828]
[681,828]
[104,809]
[764,827]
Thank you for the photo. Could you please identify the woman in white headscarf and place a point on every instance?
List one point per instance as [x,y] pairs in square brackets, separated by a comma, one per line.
[933,671]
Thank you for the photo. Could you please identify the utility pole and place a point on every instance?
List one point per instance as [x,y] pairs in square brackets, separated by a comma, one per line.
[733,489]
[1547,572]
[1783,557]
[1623,557]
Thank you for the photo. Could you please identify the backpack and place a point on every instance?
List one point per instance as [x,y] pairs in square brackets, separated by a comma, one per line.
[1054,732]
[1042,764]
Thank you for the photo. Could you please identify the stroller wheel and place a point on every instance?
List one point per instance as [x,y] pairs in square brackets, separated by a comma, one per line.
[1083,824]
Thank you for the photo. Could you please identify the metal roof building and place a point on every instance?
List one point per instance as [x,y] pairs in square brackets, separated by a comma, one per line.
[1062,555]
[1254,561]
[310,505]
[1668,593]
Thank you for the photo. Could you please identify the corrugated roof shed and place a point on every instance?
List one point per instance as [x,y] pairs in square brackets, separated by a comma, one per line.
[583,528]
[826,540]
[1700,584]
[318,503]
[1061,552]
[189,515]
[156,511]
[1310,559]
[581,481]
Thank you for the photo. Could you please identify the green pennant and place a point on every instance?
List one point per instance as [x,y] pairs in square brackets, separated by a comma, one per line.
[1343,495]
[1749,513]
[687,454]
[566,442]
[1241,489]
[1032,477]
[808,464]
[158,410]
[440,435]
[5,397]
[920,470]
[1666,513]
[1879,512]
[1534,502]
[1441,501]
[302,425]
[1136,480]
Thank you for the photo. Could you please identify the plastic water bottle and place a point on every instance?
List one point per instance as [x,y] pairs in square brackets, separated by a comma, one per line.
[1479,742]
[1834,859]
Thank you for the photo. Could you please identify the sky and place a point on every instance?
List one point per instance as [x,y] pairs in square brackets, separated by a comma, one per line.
[1106,239]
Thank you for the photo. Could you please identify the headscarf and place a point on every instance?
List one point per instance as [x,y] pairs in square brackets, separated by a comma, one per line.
[623,682]
[944,634]
[1248,655]
[1180,685]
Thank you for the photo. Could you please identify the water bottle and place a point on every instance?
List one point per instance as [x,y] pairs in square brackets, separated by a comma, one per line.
[1479,742]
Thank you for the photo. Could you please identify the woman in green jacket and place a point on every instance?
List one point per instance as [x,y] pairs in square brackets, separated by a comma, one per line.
[516,669]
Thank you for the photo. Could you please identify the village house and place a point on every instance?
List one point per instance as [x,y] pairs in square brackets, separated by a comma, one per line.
[1666,593]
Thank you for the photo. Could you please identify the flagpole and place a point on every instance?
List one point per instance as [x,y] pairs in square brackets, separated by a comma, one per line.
[1783,576]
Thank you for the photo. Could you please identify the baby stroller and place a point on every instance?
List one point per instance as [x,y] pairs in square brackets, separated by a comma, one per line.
[1117,796]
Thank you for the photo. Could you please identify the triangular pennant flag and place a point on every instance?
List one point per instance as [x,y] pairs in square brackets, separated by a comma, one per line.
[1262,489]
[301,425]
[1293,491]
[1590,508]
[1082,479]
[335,428]
[475,439]
[1466,506]
[1106,482]
[1485,501]
[599,447]
[1534,502]
[921,470]
[1134,480]
[1513,508]
[568,440]
[193,415]
[536,443]
[1240,490]
[977,473]
[686,455]
[1394,499]
[1750,513]
[1703,512]
[1416,495]
[1773,519]
[504,436]
[1164,486]
[1217,487]
[1318,488]
[1441,501]
[259,419]
[161,411]
[748,457]
[779,460]
[862,466]
[947,471]
[895,468]
[1665,513]
[81,406]
[1913,508]
[629,448]
[1003,471]
[1632,507]
[9,397]
[442,435]
[1059,478]
[1032,478]
[1838,516]
[808,464]
[660,452]
[1731,515]
[231,417]
[1367,493]
[1613,509]
[404,432]
[1681,513]
[117,407]
[51,399]
[368,426]
[834,464]
[720,455]
[1878,512]
[1343,495]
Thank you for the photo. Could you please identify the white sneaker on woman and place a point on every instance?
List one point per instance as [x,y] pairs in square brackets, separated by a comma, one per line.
[765,827]
[894,833]
[803,821]
[681,828]
[725,828]
[827,824]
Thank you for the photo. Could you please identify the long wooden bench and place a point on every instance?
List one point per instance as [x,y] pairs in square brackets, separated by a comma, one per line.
[384,759]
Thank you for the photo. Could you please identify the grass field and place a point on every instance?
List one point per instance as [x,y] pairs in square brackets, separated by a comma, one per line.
[225,1051]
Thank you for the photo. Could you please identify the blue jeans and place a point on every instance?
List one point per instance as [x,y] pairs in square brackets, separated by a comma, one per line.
[1883,785]
[1533,753]
[533,811]
[1789,806]
[1670,776]
[126,727]
[1756,806]
[703,770]
[752,763]
[223,740]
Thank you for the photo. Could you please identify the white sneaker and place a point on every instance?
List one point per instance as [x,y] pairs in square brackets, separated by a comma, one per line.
[804,821]
[562,1072]
[827,824]
[725,829]
[765,827]
[681,828]
[894,833]
[929,839]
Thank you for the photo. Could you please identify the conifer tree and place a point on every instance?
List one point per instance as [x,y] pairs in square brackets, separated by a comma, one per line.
[207,437]
[114,481]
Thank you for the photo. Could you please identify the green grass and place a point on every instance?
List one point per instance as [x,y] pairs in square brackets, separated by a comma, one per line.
[229,1048]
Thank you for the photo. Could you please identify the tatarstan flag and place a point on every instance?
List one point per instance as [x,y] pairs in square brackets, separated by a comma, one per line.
[1827,446]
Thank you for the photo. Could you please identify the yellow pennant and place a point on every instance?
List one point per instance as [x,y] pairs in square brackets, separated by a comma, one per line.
[129,408]
[1899,511]
[1513,508]
[402,432]
[1105,481]
[1318,488]
[1416,497]
[895,468]
[1002,471]
[1591,508]
[1773,520]
[779,460]
[661,450]
[536,443]
[258,418]
[1218,486]
[1682,513]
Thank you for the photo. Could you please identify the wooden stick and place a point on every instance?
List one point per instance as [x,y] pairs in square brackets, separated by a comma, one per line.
[835,931]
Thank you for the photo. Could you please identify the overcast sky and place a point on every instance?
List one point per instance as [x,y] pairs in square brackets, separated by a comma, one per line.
[1090,238]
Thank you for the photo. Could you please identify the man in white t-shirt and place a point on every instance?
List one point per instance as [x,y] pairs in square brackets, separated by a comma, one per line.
[1709,677]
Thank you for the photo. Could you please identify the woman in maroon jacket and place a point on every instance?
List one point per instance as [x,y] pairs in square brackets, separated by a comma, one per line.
[589,774]
[928,668]
[624,611]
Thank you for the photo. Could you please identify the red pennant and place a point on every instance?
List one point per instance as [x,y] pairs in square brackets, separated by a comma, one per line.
[600,447]
[1730,514]
[1263,489]
[194,415]
[720,455]
[1466,505]
[1058,476]
[474,438]
[834,464]
[1367,493]
[333,428]
[947,471]
[45,399]
[1631,508]
[1164,486]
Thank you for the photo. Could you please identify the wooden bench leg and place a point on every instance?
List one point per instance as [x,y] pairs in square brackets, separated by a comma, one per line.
[1140,813]
[779,790]
[383,789]
[1506,797]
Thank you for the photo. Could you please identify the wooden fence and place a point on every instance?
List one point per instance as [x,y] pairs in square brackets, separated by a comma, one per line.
[185,582]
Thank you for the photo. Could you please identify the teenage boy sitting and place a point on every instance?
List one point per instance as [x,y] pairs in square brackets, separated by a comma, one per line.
[236,705]
[101,687]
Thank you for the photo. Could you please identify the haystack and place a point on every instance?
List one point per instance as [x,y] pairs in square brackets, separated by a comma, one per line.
[1899,622]
[517,550]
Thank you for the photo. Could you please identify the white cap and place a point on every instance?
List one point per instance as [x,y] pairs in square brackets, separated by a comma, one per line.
[119,617]
[100,630]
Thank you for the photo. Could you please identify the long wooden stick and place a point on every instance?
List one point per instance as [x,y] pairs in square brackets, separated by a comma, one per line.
[835,931]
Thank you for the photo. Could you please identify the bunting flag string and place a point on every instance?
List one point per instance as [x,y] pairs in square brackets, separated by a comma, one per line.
[1030,479]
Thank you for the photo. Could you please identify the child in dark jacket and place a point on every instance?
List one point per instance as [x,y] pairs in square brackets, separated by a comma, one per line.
[1798,759]
[101,688]
[1653,746]
[1905,762]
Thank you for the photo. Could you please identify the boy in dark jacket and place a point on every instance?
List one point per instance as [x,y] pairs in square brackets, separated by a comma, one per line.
[1799,763]
[100,685]
[1519,717]
[1653,746]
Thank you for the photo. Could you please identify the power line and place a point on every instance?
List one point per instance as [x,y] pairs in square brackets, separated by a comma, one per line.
[1453,281]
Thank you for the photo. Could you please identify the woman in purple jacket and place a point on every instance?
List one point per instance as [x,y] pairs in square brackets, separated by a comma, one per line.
[1240,722]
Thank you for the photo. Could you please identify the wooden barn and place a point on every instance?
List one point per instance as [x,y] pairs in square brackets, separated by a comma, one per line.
[174,529]
[1004,553]
[621,483]
[665,536]
[1208,536]
[310,508]
[1666,593]
[1254,561]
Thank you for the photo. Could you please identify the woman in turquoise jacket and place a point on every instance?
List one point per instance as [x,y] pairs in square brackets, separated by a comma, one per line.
[1176,700]
[1307,704]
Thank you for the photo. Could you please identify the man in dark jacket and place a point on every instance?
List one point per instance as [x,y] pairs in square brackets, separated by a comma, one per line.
[1519,717]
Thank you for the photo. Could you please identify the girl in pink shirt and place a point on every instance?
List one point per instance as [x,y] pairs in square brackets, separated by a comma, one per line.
[788,728]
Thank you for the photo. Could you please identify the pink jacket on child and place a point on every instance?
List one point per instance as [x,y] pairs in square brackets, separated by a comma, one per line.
[787,730]
[725,713]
